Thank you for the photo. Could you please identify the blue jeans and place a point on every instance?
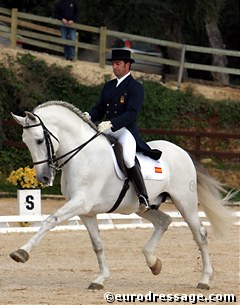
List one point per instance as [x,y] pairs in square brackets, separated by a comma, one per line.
[70,34]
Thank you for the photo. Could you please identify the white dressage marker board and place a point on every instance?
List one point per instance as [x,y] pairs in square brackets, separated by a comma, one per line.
[29,201]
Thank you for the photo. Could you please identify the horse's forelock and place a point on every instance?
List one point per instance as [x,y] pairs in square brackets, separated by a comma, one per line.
[69,106]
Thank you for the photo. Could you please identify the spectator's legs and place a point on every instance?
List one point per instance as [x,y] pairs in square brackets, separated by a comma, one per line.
[64,35]
[71,36]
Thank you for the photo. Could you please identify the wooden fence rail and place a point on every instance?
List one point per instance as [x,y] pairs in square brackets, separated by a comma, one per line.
[195,148]
[44,33]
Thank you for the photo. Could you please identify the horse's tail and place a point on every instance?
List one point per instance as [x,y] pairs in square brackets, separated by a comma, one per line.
[211,198]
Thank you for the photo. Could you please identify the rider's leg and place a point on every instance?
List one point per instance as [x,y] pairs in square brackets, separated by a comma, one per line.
[126,139]
[135,175]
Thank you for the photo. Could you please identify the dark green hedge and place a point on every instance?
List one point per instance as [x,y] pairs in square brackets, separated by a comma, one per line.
[169,109]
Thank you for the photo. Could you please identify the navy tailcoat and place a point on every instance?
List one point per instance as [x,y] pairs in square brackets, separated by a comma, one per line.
[121,105]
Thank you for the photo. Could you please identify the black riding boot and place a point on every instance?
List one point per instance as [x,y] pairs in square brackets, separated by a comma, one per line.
[135,175]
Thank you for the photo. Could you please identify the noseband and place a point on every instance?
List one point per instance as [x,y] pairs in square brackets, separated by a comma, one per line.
[52,159]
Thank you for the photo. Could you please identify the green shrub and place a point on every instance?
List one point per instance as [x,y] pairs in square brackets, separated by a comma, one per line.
[12,159]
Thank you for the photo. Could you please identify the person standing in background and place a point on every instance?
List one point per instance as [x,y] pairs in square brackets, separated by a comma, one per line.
[68,12]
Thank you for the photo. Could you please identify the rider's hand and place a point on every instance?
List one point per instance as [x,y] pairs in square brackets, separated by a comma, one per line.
[87,115]
[105,125]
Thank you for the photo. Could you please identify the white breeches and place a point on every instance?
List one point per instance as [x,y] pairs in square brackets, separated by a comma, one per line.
[126,139]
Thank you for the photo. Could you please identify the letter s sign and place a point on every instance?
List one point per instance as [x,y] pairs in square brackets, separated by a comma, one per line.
[29,202]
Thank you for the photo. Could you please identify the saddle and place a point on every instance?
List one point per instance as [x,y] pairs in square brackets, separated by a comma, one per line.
[118,151]
[151,169]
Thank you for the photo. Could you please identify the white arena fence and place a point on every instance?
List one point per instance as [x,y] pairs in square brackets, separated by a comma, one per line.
[31,223]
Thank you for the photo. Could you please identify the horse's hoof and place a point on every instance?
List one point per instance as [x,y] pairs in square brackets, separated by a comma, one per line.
[157,267]
[95,286]
[203,286]
[20,256]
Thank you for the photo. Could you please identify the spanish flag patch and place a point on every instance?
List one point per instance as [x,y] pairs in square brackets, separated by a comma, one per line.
[158,170]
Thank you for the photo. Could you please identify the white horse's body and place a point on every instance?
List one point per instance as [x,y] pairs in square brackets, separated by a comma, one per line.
[91,186]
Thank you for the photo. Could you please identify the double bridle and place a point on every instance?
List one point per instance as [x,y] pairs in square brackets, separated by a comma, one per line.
[52,159]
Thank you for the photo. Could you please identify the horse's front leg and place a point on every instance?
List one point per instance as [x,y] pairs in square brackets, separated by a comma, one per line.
[92,227]
[70,209]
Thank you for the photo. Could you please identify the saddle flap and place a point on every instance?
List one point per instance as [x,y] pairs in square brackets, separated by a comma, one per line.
[118,150]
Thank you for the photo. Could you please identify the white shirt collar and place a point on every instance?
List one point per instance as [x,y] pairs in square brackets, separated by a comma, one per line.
[119,80]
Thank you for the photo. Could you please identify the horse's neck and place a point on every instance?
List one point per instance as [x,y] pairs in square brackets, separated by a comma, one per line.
[70,129]
[73,132]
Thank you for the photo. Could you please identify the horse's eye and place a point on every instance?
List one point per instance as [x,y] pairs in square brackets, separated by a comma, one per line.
[40,141]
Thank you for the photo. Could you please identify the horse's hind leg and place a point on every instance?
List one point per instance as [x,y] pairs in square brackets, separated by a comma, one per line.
[190,215]
[92,227]
[160,221]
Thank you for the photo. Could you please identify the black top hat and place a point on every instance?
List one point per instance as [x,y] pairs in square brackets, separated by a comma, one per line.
[121,54]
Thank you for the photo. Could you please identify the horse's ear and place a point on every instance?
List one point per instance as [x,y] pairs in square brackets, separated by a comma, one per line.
[30,116]
[20,120]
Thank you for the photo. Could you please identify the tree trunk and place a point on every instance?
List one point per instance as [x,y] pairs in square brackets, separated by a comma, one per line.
[1,129]
[1,134]
[215,41]
[175,34]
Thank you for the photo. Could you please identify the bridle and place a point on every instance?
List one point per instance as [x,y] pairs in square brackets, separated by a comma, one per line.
[52,159]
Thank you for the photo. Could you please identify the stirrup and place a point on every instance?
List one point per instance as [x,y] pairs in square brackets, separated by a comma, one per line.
[143,204]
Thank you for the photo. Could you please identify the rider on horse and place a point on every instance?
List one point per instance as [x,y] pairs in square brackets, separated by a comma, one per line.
[120,102]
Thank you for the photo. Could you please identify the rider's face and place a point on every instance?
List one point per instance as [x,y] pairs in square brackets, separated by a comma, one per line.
[120,68]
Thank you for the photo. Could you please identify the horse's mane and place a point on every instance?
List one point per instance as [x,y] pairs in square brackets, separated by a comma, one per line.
[71,107]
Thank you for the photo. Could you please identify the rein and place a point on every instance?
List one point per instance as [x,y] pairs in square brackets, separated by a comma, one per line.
[74,151]
[52,159]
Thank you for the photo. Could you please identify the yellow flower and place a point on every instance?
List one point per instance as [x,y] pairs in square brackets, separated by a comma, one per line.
[24,178]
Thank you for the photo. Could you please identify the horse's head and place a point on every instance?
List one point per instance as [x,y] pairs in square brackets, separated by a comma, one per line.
[42,144]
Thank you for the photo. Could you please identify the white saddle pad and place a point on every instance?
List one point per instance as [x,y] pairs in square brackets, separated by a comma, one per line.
[151,169]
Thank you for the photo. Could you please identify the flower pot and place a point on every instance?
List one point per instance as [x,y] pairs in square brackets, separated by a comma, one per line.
[29,201]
